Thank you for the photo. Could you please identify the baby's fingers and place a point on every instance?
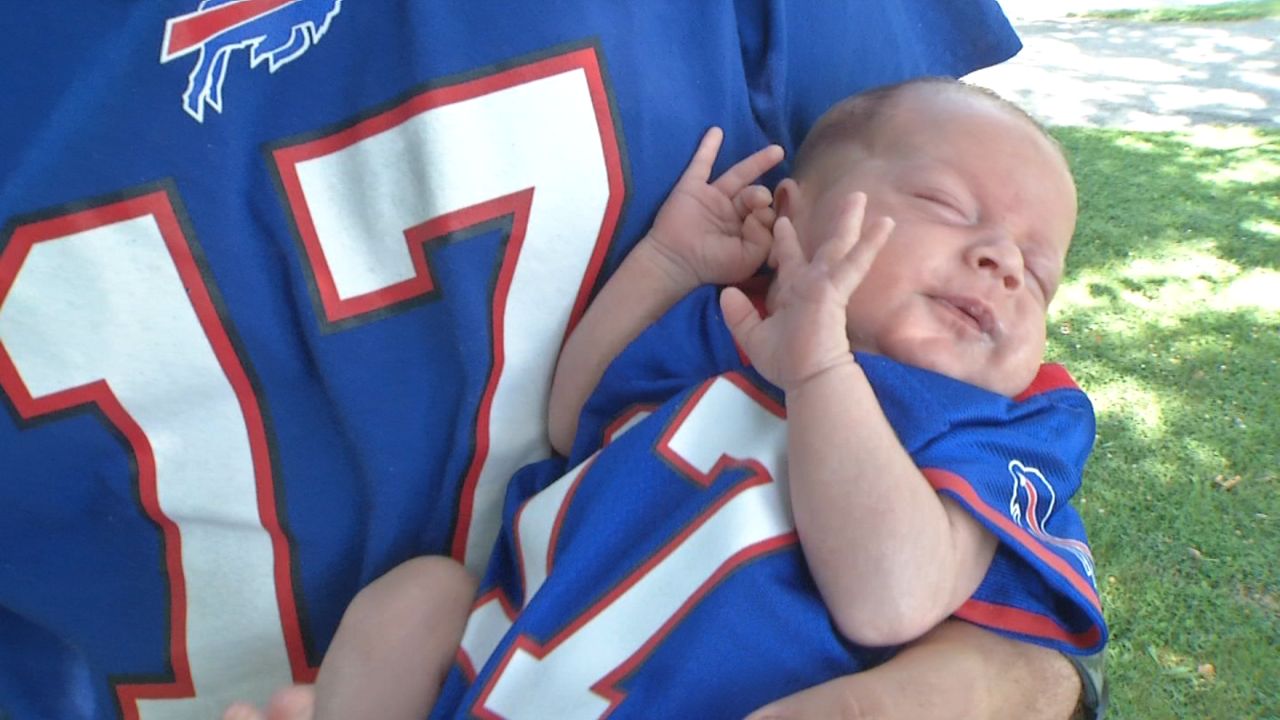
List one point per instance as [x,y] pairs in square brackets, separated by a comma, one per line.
[740,315]
[786,253]
[747,170]
[757,239]
[699,170]
[848,272]
[847,231]
[765,216]
[752,198]
[242,711]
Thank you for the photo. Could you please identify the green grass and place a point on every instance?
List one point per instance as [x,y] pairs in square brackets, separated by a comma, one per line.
[1170,318]
[1220,12]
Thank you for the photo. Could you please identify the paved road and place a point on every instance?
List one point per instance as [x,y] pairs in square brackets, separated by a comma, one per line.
[1139,76]
[1042,9]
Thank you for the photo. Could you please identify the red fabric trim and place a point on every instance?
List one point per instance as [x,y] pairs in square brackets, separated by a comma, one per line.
[1024,622]
[1051,376]
[944,480]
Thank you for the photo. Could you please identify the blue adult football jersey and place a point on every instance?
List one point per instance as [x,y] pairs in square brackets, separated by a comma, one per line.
[282,283]
[661,575]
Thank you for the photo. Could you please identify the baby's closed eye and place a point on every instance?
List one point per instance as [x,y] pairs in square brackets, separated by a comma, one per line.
[943,202]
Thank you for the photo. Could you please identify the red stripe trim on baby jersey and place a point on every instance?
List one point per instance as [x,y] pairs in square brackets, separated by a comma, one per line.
[1051,376]
[945,480]
[1025,622]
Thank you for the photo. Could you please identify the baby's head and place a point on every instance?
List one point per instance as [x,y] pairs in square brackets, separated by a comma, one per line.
[984,208]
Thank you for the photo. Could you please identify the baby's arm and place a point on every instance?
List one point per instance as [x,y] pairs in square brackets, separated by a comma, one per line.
[891,557]
[705,232]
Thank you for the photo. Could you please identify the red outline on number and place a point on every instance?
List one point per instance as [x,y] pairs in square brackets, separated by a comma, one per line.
[705,479]
[508,608]
[606,687]
[554,536]
[625,418]
[467,495]
[553,542]
[159,205]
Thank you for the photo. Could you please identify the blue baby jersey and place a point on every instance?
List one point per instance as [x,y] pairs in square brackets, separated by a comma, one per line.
[282,285]
[660,576]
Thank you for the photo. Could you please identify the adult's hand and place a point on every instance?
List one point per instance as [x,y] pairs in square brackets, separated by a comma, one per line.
[958,670]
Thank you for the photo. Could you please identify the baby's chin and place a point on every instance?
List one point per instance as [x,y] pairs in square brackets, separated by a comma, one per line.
[1009,383]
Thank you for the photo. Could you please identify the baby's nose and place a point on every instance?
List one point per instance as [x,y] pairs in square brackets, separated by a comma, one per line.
[1001,257]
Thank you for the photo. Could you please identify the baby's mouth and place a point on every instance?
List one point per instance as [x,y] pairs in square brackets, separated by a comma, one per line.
[969,311]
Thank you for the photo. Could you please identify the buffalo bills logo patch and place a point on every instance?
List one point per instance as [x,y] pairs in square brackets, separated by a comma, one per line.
[275,32]
[1031,505]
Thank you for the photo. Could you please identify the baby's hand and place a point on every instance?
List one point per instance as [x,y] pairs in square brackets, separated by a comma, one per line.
[296,702]
[716,232]
[806,334]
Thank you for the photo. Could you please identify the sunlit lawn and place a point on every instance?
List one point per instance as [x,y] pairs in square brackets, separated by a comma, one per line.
[1218,12]
[1171,320]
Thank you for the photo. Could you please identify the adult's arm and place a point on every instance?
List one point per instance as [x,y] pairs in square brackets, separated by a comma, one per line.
[958,670]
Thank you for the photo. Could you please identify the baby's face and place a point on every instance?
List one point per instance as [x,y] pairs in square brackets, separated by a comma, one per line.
[984,208]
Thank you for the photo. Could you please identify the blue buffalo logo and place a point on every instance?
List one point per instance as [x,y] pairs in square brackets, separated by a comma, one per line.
[1031,504]
[275,32]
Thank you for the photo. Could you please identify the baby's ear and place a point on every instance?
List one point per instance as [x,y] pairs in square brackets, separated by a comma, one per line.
[786,197]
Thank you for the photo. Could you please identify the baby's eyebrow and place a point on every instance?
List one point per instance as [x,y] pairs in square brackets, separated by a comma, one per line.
[934,170]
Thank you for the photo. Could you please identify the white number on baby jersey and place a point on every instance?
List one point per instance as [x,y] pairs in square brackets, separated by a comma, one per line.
[106,306]
[547,126]
[576,673]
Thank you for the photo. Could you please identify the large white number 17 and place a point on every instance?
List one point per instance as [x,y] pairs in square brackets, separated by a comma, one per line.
[107,306]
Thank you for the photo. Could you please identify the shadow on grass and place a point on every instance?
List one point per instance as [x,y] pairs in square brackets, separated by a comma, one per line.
[1209,379]
[1162,191]
[1181,501]
[1170,318]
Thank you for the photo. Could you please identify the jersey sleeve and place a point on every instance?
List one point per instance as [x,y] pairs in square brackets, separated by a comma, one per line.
[1015,465]
[781,58]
